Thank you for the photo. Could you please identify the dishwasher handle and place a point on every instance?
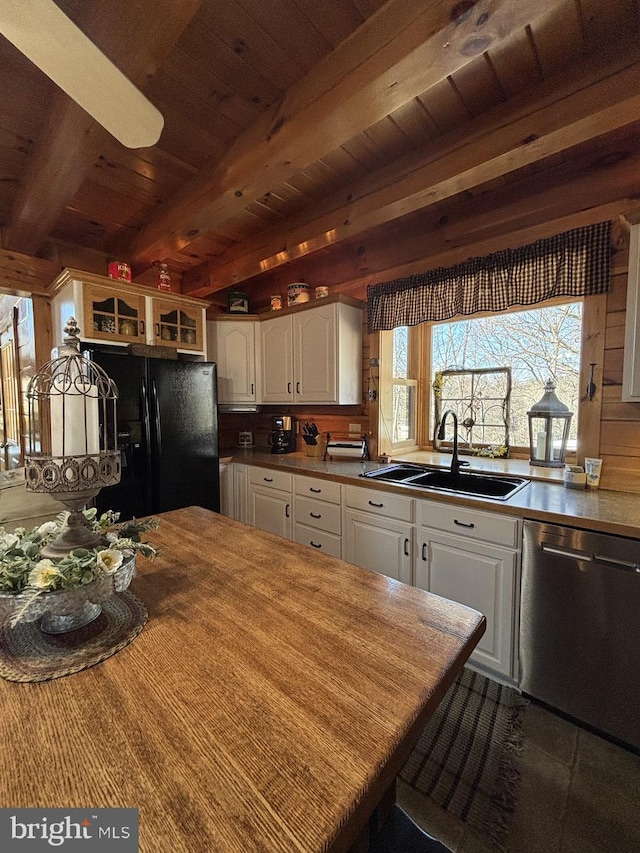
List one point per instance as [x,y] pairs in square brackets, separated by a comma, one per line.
[566,552]
[611,562]
[614,563]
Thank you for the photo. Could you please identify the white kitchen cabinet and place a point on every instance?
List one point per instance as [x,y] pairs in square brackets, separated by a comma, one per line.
[318,515]
[313,355]
[270,501]
[226,489]
[233,343]
[378,532]
[121,313]
[473,557]
[241,493]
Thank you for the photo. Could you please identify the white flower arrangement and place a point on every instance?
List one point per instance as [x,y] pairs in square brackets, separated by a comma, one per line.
[24,571]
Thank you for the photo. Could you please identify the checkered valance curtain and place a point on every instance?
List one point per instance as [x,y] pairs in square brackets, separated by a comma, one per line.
[576,263]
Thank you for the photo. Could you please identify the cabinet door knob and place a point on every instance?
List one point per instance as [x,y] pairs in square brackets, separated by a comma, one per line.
[288,387]
[371,503]
[268,479]
[424,551]
[315,545]
[463,524]
[286,511]
[316,491]
[297,387]
[315,515]
[406,547]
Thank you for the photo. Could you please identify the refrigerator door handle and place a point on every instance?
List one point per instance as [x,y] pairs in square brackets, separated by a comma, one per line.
[156,418]
[146,422]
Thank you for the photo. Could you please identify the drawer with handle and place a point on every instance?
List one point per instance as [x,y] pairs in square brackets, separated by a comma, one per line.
[319,540]
[322,490]
[379,502]
[470,523]
[323,516]
[270,478]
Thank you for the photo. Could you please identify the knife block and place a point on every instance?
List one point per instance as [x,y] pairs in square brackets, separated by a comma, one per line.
[315,450]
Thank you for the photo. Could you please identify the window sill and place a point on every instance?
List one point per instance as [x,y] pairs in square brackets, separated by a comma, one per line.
[483,464]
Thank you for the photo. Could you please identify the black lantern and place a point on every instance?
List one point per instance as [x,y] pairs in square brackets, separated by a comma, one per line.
[549,422]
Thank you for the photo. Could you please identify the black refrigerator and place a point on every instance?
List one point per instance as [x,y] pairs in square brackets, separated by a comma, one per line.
[167,432]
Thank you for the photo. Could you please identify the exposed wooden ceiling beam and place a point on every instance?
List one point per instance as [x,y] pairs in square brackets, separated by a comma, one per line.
[398,53]
[22,274]
[598,97]
[137,38]
[518,213]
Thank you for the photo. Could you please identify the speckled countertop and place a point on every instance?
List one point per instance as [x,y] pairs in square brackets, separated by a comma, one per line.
[598,509]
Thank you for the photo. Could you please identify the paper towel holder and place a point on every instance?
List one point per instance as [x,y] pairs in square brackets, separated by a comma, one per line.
[345,446]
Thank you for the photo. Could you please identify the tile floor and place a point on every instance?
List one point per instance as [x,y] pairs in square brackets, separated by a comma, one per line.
[578,793]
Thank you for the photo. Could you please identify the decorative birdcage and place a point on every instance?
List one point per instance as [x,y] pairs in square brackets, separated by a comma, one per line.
[72,448]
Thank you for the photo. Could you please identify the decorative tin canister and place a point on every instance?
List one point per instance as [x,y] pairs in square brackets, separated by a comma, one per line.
[321,292]
[238,302]
[164,277]
[297,293]
[119,270]
[276,302]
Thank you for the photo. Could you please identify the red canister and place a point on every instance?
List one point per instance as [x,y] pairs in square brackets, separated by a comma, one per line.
[119,270]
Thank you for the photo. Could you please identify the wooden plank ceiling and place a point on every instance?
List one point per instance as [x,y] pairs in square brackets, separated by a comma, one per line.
[301,138]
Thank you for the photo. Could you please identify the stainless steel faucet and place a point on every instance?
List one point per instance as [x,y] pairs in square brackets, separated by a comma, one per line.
[455,462]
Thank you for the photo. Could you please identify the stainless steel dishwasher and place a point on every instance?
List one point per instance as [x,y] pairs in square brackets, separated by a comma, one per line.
[580,626]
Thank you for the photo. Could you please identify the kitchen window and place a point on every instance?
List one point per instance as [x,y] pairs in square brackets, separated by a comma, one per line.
[535,344]
[568,273]
[399,390]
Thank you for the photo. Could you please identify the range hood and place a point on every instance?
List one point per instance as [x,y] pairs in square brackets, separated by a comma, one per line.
[238,407]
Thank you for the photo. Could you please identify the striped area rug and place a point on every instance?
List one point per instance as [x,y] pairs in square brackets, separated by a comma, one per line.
[466,758]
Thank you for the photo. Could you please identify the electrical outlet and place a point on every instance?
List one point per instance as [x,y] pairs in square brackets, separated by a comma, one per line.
[355,428]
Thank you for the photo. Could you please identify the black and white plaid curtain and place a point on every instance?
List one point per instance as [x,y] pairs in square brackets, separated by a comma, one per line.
[575,263]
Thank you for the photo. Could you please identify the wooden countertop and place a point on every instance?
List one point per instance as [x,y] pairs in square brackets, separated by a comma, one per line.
[269,702]
[598,509]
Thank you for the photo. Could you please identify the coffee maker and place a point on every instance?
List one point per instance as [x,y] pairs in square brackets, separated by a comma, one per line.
[282,438]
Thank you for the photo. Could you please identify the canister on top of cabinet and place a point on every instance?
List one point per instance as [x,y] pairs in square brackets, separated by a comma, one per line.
[297,293]
[238,302]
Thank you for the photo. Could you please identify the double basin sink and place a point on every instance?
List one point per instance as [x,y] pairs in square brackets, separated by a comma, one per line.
[443,480]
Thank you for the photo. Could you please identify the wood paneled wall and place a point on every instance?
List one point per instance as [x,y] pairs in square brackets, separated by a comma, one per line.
[619,422]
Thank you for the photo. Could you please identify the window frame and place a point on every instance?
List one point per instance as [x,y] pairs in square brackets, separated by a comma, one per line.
[387,382]
[588,416]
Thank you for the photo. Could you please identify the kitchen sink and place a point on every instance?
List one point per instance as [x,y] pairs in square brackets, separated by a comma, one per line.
[443,480]
[396,473]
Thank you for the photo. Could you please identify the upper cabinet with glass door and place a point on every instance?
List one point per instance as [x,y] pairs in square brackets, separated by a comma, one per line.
[177,324]
[121,313]
[109,316]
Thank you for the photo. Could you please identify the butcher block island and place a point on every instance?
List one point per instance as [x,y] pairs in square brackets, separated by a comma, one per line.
[268,704]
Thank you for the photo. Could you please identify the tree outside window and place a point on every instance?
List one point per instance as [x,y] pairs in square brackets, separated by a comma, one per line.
[537,344]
